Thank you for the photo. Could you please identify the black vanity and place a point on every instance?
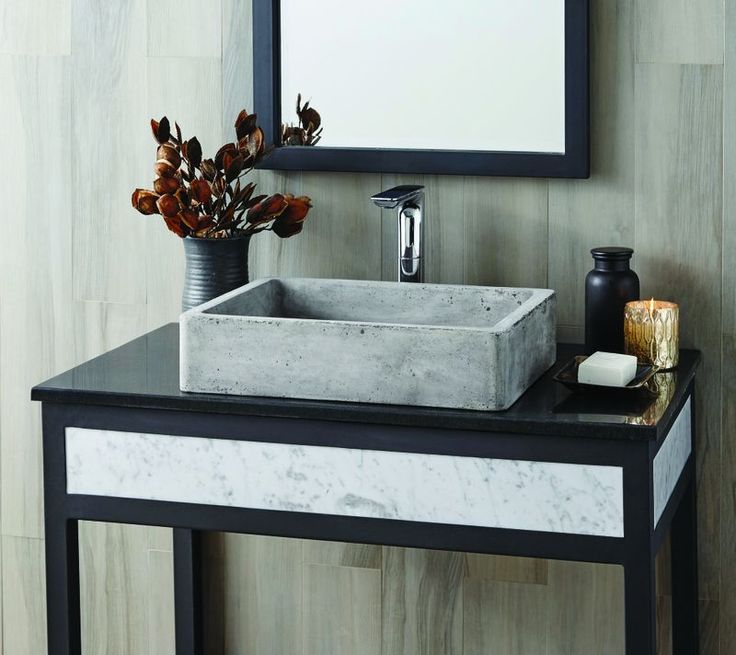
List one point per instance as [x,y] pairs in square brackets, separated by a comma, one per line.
[561,476]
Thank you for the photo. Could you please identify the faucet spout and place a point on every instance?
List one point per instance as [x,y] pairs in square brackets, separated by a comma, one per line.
[408,200]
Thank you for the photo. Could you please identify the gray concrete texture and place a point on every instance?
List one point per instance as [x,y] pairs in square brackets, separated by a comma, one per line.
[434,345]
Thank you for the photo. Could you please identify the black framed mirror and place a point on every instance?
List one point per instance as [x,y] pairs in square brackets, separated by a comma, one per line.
[480,87]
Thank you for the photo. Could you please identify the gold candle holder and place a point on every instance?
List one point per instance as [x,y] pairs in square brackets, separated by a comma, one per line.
[651,332]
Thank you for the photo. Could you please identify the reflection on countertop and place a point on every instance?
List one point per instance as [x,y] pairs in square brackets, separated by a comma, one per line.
[646,407]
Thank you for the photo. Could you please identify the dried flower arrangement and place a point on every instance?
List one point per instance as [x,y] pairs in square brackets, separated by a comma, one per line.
[309,129]
[204,198]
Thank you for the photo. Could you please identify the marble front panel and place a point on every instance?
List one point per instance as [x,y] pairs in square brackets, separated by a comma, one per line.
[670,459]
[501,493]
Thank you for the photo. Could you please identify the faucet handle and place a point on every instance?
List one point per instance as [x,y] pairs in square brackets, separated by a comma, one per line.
[392,198]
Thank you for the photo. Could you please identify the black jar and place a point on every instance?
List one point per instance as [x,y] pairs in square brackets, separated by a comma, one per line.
[608,287]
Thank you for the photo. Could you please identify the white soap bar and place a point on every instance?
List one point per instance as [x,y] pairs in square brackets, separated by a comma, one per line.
[607,369]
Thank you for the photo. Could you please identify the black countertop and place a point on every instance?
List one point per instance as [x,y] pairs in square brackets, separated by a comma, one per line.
[145,373]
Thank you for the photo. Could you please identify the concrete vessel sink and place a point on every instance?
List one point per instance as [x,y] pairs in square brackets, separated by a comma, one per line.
[430,345]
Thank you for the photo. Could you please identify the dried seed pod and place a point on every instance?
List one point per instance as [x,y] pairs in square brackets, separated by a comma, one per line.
[182,196]
[168,205]
[229,149]
[163,185]
[201,191]
[193,151]
[161,130]
[164,168]
[189,217]
[233,165]
[245,123]
[169,153]
[291,220]
[145,201]
[267,209]
[293,136]
[206,223]
[175,224]
[209,170]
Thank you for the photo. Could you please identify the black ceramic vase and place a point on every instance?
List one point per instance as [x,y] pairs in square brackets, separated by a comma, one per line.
[213,267]
[608,287]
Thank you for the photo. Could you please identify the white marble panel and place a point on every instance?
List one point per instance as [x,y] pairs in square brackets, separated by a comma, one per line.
[670,459]
[517,494]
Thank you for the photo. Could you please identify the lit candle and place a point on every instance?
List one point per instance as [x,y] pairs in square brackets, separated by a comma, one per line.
[651,332]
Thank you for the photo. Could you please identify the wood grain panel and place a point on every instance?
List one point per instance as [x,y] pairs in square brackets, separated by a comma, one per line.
[680,31]
[584,214]
[678,238]
[237,58]
[24,596]
[35,287]
[100,326]
[587,609]
[508,569]
[710,642]
[570,333]
[729,172]
[42,27]
[188,104]
[263,595]
[444,228]
[333,553]
[184,28]
[160,603]
[110,149]
[343,216]
[342,610]
[422,605]
[160,539]
[119,592]
[505,232]
[504,617]
[725,622]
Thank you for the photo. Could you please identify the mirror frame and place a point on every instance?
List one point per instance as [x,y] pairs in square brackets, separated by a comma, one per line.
[573,163]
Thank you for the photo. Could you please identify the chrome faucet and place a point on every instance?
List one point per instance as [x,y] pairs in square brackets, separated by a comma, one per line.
[408,199]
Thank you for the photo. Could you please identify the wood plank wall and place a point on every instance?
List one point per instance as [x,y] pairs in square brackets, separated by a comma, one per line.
[81,272]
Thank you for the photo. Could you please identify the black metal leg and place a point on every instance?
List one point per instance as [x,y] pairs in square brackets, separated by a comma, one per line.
[188,591]
[641,603]
[62,587]
[684,541]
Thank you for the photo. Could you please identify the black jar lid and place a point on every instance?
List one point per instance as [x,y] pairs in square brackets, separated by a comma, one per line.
[612,253]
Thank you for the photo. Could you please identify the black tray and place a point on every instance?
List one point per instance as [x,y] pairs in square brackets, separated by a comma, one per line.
[568,375]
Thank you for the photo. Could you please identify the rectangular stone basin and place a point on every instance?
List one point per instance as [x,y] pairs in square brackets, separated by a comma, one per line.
[434,345]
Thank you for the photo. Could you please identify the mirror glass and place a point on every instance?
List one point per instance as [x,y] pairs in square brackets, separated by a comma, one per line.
[479,75]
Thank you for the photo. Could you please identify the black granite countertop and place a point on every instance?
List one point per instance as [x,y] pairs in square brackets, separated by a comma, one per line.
[145,373]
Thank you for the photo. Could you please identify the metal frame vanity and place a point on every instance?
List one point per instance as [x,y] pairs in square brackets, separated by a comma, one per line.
[560,476]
